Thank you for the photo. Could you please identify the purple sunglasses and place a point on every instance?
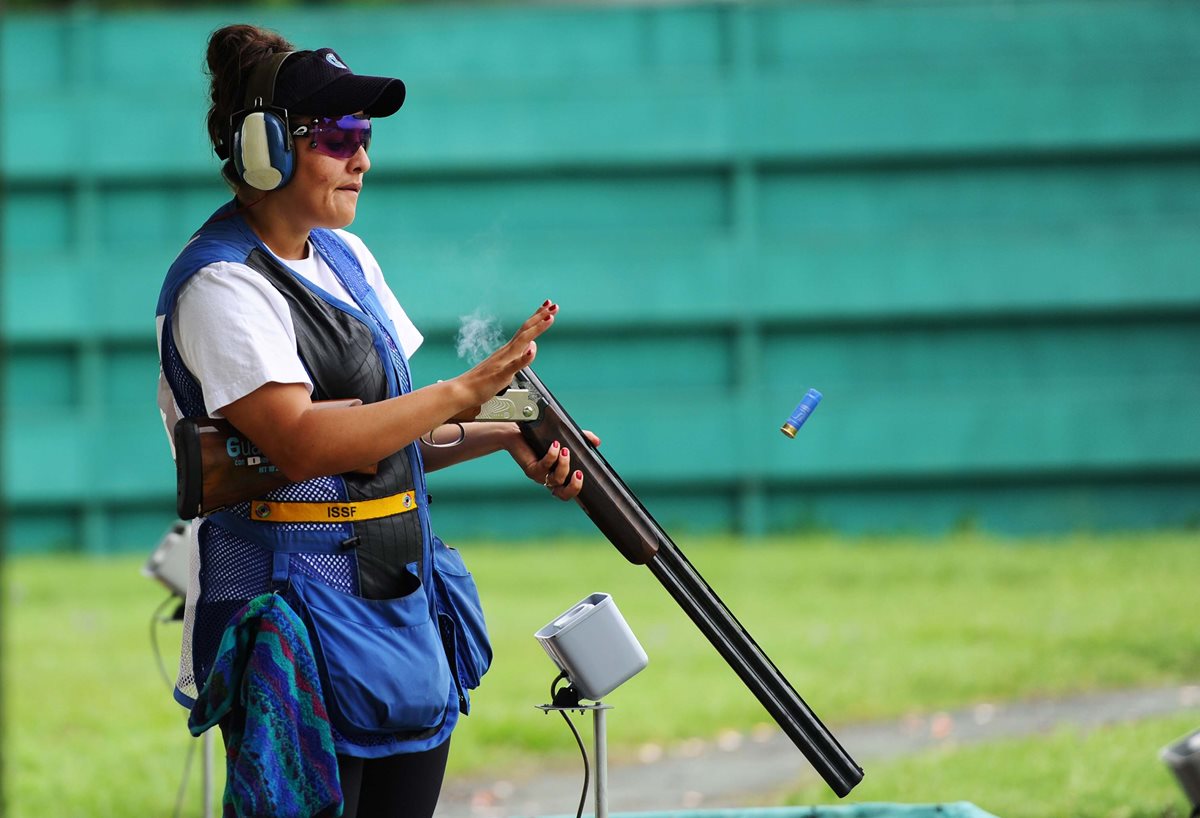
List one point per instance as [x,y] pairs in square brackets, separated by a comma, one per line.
[339,138]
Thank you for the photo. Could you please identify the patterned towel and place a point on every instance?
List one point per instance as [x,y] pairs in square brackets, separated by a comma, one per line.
[280,759]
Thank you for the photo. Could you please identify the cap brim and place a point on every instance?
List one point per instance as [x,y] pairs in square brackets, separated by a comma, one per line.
[351,93]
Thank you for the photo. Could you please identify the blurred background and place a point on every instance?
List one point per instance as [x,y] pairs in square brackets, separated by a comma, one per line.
[972,225]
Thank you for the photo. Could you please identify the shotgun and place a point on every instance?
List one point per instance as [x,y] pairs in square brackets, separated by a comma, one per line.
[217,466]
[620,516]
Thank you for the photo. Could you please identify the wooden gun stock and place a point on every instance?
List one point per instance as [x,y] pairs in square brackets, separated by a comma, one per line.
[619,515]
[217,466]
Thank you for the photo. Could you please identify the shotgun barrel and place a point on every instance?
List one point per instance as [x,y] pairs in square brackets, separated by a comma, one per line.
[620,516]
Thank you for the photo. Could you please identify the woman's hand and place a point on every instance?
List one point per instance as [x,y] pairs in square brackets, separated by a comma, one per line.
[496,371]
[553,469]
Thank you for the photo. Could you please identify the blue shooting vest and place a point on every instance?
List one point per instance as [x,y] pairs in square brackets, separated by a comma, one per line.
[349,351]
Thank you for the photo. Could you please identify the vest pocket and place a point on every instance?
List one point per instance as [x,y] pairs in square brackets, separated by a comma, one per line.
[381,661]
[458,598]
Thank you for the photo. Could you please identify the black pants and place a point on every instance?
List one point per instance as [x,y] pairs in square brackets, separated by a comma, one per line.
[400,786]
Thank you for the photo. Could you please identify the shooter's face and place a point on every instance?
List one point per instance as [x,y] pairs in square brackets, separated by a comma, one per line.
[324,190]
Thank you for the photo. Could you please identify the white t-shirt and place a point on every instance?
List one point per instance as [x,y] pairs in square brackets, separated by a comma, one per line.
[234,330]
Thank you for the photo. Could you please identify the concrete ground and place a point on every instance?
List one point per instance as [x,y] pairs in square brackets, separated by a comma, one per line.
[748,770]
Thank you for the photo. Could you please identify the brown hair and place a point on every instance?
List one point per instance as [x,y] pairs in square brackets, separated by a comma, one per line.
[232,53]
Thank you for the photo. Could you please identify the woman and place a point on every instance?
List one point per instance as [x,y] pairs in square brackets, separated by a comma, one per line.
[272,308]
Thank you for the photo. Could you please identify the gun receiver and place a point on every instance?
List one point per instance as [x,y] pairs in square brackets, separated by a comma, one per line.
[619,515]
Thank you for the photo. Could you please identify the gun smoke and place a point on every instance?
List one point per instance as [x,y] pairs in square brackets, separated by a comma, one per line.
[479,335]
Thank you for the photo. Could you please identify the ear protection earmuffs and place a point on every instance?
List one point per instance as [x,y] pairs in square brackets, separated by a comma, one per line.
[261,142]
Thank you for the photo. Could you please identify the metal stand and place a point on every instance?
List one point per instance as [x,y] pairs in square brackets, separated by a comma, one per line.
[600,743]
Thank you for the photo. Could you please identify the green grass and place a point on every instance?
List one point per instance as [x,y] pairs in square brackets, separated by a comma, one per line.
[863,629]
[90,728]
[1113,772]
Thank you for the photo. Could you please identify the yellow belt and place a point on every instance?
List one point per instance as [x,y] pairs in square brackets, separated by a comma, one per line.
[267,511]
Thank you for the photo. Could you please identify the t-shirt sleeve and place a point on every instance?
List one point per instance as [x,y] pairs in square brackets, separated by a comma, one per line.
[234,332]
[410,337]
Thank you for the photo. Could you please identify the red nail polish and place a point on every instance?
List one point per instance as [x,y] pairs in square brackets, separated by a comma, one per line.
[564,453]
[578,475]
[555,445]
[553,308]
[546,303]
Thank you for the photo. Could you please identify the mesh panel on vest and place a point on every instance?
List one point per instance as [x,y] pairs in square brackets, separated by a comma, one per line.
[188,393]
[208,628]
[318,489]
[230,567]
[337,570]
[232,572]
[186,681]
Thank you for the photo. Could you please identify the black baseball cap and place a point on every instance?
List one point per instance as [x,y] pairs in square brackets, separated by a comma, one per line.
[319,83]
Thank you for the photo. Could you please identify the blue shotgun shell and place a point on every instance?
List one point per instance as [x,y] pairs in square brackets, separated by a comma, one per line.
[801,413]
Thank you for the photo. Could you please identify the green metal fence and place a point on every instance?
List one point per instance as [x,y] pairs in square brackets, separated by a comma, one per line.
[974,226]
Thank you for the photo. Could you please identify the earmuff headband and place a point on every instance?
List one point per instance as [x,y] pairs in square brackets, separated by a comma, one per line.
[260,88]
